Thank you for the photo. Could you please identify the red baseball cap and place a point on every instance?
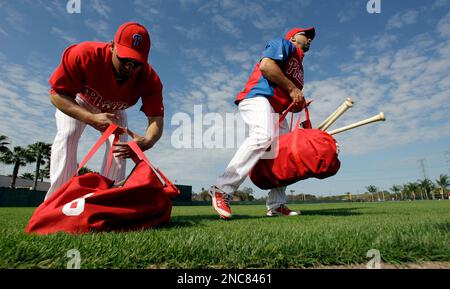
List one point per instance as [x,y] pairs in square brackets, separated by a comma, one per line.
[309,32]
[132,41]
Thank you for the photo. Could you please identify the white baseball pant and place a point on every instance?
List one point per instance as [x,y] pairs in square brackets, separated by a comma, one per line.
[259,115]
[63,160]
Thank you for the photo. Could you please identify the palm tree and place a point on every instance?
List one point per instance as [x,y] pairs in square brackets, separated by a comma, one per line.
[405,192]
[412,189]
[443,182]
[3,143]
[40,151]
[45,172]
[427,187]
[372,189]
[397,189]
[18,157]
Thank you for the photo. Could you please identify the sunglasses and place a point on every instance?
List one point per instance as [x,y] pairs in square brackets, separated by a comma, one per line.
[125,62]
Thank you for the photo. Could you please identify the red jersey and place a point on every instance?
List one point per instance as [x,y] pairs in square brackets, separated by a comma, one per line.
[290,60]
[86,69]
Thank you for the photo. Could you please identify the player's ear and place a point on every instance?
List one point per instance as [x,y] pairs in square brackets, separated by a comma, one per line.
[112,46]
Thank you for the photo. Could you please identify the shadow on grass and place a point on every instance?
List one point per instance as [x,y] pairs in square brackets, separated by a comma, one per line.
[196,220]
[193,220]
[333,212]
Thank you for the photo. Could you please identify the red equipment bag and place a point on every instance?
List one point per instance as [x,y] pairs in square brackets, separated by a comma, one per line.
[303,153]
[90,202]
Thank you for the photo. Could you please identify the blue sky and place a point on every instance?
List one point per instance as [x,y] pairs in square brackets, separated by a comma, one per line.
[397,62]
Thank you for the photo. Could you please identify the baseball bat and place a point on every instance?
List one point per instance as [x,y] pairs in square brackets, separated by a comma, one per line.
[348,103]
[331,115]
[378,117]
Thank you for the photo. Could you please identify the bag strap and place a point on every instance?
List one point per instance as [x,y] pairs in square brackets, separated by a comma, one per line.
[292,121]
[285,113]
[297,125]
[170,188]
[110,155]
[109,131]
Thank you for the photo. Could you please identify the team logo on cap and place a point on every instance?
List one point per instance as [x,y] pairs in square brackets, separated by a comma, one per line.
[137,39]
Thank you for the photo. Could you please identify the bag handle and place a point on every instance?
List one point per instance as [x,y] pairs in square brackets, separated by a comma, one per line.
[110,155]
[170,188]
[297,125]
[109,131]
[285,113]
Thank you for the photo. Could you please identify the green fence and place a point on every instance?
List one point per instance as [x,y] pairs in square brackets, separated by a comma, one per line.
[28,198]
[20,197]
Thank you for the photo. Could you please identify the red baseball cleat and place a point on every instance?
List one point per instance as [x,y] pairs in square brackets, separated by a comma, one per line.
[282,210]
[220,202]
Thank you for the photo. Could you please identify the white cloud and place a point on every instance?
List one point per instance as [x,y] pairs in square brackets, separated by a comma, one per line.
[225,15]
[100,27]
[64,35]
[16,20]
[410,85]
[349,12]
[153,14]
[443,26]
[26,114]
[215,89]
[243,57]
[3,32]
[402,18]
[226,25]
[188,3]
[380,42]
[101,8]
[150,10]
[440,4]
[260,16]
[192,33]
[56,8]
[324,52]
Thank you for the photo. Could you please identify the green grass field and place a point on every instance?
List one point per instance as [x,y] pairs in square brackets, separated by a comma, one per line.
[325,235]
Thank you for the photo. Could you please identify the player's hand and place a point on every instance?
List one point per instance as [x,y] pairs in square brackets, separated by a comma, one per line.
[101,121]
[122,150]
[297,97]
[306,103]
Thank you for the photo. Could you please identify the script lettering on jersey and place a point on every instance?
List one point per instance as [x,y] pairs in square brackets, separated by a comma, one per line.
[94,98]
[295,71]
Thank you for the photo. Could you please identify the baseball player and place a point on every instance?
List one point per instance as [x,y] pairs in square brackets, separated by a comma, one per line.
[276,82]
[93,85]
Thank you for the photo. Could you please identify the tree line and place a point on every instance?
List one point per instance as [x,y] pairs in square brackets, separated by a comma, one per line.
[244,194]
[423,189]
[38,153]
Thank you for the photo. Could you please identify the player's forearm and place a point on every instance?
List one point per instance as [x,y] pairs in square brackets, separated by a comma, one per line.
[70,107]
[270,70]
[154,131]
